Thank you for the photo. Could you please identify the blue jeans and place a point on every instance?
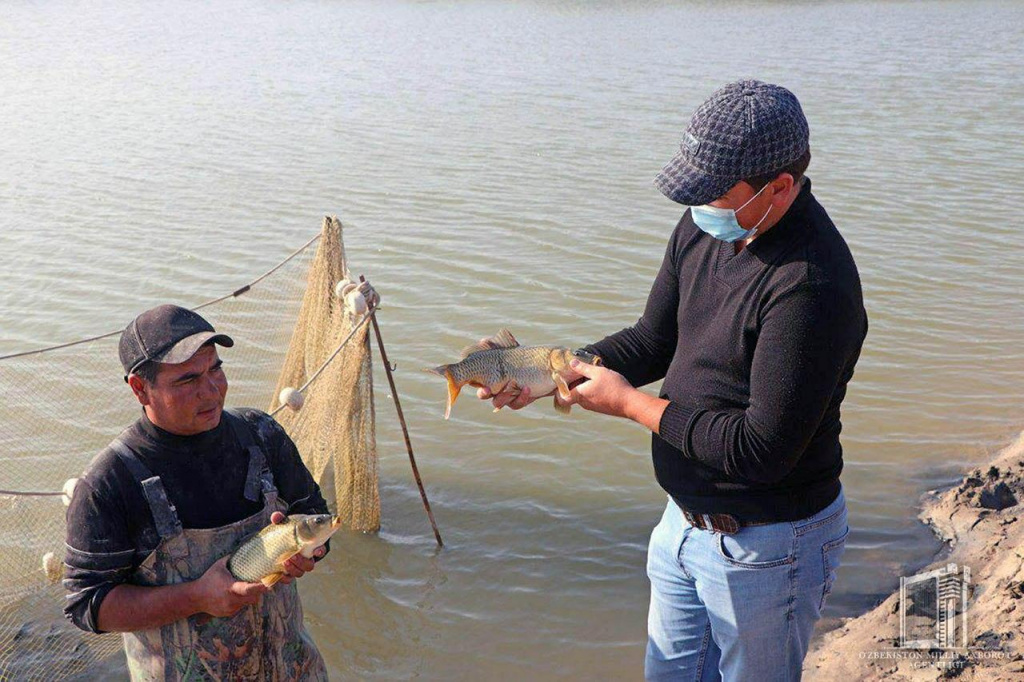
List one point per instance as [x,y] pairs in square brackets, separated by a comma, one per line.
[743,606]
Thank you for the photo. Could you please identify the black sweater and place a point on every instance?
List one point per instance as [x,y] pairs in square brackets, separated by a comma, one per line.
[110,530]
[756,350]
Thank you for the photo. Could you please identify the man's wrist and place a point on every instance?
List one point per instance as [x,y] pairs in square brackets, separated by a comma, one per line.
[192,596]
[645,410]
[632,406]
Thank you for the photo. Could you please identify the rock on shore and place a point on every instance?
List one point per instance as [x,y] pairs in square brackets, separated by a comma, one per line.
[982,519]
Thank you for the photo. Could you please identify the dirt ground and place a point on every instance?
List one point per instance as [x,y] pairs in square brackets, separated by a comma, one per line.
[982,519]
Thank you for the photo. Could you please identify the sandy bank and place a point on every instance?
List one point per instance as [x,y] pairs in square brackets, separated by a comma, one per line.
[982,519]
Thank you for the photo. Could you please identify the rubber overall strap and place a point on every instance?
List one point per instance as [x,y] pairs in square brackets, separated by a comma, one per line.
[259,480]
[164,514]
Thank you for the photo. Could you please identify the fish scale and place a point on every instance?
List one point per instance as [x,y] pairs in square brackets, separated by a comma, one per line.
[527,366]
[259,557]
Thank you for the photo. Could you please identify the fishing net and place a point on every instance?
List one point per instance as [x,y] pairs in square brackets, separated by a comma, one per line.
[63,405]
[335,430]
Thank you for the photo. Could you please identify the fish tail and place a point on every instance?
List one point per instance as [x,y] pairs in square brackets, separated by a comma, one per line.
[454,387]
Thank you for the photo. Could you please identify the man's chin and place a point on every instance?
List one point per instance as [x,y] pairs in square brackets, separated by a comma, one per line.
[211,418]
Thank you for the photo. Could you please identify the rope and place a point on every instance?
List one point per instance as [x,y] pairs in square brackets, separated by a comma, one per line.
[366,316]
[238,292]
[31,493]
[234,294]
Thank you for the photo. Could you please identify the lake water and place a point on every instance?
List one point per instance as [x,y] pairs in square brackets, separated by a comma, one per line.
[492,163]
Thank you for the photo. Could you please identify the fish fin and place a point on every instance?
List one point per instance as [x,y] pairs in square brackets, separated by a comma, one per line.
[563,388]
[453,387]
[272,579]
[440,370]
[473,348]
[560,408]
[453,394]
[503,339]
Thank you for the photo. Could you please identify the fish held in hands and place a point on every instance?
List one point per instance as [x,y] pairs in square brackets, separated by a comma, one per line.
[261,558]
[499,363]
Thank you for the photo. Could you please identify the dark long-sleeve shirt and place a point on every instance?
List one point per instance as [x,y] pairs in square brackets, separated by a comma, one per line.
[110,530]
[756,350]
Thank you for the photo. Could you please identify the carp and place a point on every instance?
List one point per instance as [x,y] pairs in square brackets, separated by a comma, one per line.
[261,558]
[499,363]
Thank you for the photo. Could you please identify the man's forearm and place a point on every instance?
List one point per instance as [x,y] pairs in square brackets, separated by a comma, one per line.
[635,353]
[646,410]
[133,607]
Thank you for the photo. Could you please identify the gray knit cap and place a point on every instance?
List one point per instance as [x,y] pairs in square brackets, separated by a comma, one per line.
[746,129]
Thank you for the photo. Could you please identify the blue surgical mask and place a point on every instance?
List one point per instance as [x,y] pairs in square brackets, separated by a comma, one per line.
[721,223]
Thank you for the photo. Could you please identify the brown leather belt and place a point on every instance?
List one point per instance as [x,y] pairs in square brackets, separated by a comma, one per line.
[727,524]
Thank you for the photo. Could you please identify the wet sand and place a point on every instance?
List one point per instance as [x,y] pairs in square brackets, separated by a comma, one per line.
[981,519]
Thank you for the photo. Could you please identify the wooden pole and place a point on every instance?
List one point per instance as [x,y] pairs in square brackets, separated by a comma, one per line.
[401,418]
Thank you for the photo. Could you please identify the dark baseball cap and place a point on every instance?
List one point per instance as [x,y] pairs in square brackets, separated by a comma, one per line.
[744,130]
[167,333]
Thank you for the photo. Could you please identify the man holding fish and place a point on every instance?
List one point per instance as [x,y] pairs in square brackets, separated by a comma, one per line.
[755,323]
[158,514]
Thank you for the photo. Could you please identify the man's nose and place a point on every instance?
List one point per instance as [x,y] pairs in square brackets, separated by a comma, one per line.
[208,385]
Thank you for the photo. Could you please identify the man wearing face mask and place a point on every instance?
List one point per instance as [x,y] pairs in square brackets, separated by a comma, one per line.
[755,322]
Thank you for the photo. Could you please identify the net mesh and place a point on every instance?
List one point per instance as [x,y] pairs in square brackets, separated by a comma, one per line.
[338,445]
[62,406]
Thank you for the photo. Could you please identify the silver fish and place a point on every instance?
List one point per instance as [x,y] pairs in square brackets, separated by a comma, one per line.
[261,558]
[499,363]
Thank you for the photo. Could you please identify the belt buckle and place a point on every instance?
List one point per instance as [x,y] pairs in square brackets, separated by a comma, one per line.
[726,524]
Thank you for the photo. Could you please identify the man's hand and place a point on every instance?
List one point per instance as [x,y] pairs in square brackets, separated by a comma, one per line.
[606,391]
[298,565]
[219,594]
[603,390]
[510,396]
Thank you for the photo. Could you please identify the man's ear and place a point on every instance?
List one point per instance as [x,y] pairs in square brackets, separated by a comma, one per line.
[139,388]
[782,186]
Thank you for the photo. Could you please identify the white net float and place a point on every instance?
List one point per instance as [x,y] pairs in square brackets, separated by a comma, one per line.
[342,287]
[68,490]
[348,291]
[53,567]
[356,302]
[292,398]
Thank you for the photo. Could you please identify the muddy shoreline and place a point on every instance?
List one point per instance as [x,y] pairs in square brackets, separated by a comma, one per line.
[981,518]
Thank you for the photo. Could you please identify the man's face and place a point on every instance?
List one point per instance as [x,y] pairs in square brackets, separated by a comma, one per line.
[776,193]
[747,216]
[185,399]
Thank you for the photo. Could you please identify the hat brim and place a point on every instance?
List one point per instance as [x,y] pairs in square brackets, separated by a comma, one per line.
[685,184]
[190,345]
